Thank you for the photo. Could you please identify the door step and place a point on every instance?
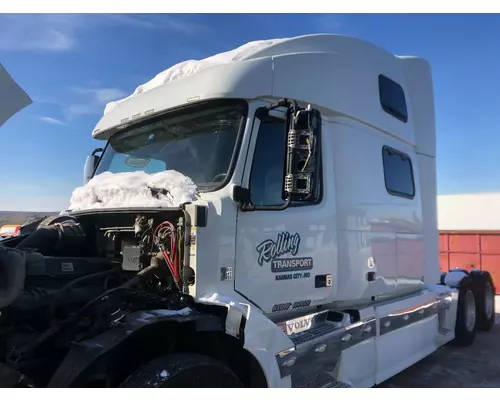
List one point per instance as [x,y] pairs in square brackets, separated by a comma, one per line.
[320,381]
[340,333]
[312,327]
[444,331]
[324,329]
[318,340]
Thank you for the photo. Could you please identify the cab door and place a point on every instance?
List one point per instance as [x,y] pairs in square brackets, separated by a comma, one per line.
[285,259]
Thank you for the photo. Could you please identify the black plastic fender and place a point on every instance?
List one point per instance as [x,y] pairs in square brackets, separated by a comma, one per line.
[482,275]
[477,276]
[453,283]
[86,354]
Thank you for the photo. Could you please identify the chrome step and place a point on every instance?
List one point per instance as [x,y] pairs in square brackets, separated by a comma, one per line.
[342,334]
[314,326]
[315,333]
[320,381]
[318,342]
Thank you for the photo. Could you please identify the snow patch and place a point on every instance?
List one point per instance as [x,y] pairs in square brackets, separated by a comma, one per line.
[164,374]
[146,316]
[191,67]
[168,313]
[133,189]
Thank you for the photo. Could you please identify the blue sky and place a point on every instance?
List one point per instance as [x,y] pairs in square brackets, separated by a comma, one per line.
[72,65]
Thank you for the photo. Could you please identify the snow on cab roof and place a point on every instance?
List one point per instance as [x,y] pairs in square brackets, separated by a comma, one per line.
[191,67]
[251,50]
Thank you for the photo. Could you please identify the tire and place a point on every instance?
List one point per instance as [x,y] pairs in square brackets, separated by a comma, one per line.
[183,370]
[484,291]
[465,328]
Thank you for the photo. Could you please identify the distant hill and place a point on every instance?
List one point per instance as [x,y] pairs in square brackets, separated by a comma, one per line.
[20,217]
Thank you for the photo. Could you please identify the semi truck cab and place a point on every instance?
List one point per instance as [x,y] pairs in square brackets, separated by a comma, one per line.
[366,205]
[309,257]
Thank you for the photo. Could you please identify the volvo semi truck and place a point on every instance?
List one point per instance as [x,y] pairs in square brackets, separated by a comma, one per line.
[308,256]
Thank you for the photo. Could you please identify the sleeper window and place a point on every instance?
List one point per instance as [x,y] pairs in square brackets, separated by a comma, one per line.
[392,98]
[398,173]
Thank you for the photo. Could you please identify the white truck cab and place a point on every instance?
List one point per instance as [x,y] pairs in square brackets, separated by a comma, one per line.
[315,231]
[359,236]
[368,225]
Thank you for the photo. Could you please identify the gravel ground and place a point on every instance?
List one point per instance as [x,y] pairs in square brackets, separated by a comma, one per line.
[476,366]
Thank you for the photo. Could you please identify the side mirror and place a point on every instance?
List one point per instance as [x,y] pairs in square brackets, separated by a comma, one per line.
[302,153]
[90,165]
[303,157]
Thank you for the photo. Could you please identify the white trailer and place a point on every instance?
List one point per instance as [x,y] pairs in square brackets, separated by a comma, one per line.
[315,231]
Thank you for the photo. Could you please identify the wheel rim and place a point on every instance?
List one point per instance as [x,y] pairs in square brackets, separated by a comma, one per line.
[489,300]
[470,310]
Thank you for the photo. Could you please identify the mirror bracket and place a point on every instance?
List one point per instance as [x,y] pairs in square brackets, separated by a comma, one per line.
[303,131]
[302,155]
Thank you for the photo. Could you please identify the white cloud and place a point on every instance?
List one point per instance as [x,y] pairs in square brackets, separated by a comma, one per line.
[174,22]
[86,101]
[61,32]
[131,20]
[109,94]
[53,121]
[92,101]
[102,95]
[39,32]
[76,110]
[180,24]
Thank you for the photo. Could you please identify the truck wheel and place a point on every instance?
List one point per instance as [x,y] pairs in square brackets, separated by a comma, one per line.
[183,370]
[465,328]
[484,291]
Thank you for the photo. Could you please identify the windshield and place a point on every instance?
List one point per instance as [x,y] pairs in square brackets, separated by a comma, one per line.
[198,142]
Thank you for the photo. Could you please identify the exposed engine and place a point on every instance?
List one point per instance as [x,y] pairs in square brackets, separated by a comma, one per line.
[75,275]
